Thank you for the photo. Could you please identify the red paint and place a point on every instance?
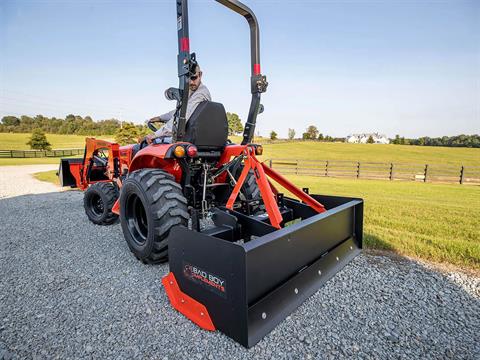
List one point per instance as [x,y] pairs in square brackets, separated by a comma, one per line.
[116,207]
[267,190]
[184,44]
[256,69]
[191,308]
[153,156]
[307,199]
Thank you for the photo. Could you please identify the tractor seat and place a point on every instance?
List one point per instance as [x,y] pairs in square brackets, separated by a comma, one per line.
[207,127]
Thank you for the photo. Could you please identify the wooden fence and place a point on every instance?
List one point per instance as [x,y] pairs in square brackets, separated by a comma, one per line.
[39,153]
[381,171]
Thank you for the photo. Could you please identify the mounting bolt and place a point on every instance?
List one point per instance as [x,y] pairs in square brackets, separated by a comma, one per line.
[296,291]
[337,258]
[320,272]
[171,282]
[182,301]
[264,316]
[202,314]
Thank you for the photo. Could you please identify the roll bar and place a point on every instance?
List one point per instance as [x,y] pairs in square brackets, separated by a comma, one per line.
[187,64]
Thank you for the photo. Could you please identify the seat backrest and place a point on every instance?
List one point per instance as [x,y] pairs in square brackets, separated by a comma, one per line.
[207,127]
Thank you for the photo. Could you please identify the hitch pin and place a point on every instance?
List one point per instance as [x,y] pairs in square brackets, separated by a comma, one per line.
[204,195]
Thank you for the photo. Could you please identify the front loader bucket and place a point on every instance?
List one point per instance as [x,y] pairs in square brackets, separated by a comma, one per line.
[245,288]
[69,171]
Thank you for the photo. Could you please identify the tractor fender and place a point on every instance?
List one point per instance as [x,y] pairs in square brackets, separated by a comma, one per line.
[154,156]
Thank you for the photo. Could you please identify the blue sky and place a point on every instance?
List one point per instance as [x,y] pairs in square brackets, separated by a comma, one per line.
[406,67]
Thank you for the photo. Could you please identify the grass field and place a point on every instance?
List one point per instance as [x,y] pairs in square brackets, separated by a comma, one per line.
[373,153]
[299,150]
[49,176]
[31,161]
[10,141]
[431,221]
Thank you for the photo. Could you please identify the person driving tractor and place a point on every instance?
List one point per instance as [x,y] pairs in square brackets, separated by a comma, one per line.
[198,93]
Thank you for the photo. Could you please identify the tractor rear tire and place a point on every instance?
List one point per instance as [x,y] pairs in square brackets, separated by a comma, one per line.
[250,187]
[249,190]
[98,202]
[151,204]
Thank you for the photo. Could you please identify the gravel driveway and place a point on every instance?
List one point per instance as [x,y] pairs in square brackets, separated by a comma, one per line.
[71,289]
[17,180]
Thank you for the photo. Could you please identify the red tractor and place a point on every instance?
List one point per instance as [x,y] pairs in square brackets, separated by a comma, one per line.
[242,256]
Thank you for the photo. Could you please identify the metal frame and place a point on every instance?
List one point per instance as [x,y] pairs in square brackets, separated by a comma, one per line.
[268,276]
[187,63]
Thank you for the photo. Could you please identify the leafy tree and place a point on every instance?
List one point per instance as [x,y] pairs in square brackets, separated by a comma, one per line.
[311,133]
[234,124]
[143,130]
[10,121]
[370,140]
[38,141]
[396,141]
[291,134]
[128,134]
[273,135]
[70,117]
[320,137]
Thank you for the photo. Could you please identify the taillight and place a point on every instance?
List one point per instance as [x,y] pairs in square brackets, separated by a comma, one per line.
[179,151]
[192,151]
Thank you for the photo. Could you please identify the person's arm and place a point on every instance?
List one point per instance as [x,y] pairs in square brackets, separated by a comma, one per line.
[167,116]
[165,130]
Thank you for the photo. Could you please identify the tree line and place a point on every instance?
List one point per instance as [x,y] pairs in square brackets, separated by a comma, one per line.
[470,141]
[311,133]
[79,125]
[70,125]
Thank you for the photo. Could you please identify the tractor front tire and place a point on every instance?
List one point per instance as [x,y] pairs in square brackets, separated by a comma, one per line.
[151,204]
[98,202]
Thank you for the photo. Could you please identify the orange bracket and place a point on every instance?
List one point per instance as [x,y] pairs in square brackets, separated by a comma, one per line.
[116,207]
[267,190]
[186,305]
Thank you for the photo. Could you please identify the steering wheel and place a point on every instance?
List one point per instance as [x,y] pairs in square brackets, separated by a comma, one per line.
[151,126]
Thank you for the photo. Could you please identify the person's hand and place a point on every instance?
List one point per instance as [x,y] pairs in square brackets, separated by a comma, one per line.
[149,138]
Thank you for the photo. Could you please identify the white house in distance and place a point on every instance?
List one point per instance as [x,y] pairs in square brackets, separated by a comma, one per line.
[362,138]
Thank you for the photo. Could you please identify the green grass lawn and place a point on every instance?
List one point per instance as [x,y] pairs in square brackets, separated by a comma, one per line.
[49,176]
[373,153]
[10,141]
[301,150]
[435,222]
[32,161]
